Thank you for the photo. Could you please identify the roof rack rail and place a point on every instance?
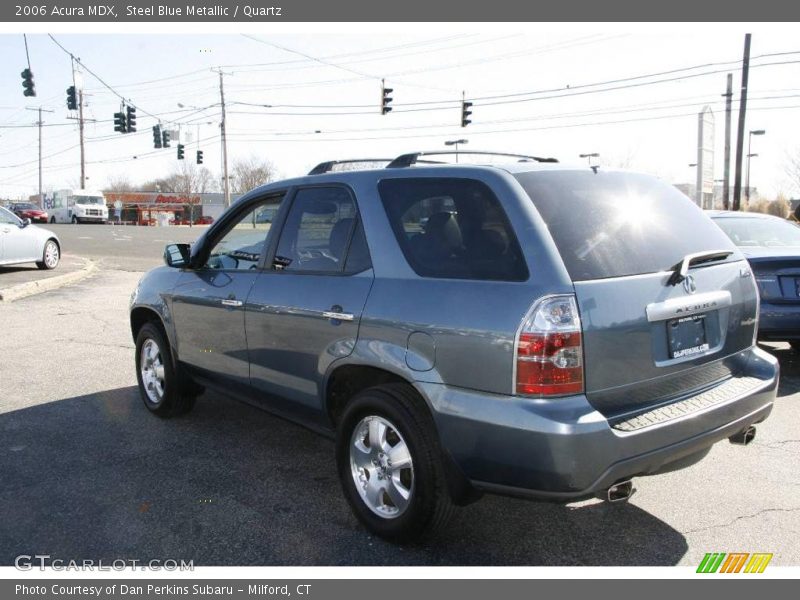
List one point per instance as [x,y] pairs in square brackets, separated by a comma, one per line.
[327,166]
[407,160]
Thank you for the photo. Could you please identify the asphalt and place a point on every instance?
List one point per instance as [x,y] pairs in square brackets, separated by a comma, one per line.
[13,275]
[87,472]
[123,247]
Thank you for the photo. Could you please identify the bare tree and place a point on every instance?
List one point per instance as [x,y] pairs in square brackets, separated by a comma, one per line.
[249,173]
[779,207]
[187,179]
[117,184]
[792,167]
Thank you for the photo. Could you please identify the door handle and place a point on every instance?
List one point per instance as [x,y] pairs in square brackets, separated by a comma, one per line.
[231,302]
[338,316]
[335,313]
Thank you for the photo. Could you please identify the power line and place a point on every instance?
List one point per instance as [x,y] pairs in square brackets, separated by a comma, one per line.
[100,79]
[309,57]
[516,129]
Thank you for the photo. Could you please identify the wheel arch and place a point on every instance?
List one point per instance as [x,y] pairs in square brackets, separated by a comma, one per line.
[140,315]
[346,380]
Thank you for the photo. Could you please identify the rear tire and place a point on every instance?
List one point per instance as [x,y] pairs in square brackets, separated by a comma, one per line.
[75,220]
[390,466]
[51,255]
[159,384]
[52,220]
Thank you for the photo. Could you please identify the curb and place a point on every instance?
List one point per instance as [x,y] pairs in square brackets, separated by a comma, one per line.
[31,288]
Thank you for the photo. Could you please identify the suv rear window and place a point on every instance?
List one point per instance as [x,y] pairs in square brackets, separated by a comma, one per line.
[616,224]
[452,228]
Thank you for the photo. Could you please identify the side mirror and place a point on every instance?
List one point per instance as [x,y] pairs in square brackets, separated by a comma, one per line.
[25,223]
[177,255]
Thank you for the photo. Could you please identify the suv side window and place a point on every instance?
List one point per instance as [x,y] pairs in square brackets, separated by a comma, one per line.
[318,231]
[452,228]
[241,247]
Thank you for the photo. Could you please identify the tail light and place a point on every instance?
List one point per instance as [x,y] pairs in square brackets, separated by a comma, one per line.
[549,349]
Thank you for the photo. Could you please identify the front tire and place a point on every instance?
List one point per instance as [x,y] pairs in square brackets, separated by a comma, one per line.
[158,382]
[51,255]
[390,466]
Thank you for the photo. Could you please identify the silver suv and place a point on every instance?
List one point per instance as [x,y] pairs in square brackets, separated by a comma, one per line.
[525,329]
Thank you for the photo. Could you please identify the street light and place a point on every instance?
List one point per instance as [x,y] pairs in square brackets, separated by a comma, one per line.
[589,156]
[750,155]
[456,143]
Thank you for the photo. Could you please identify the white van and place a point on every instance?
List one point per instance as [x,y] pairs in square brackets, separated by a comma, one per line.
[78,206]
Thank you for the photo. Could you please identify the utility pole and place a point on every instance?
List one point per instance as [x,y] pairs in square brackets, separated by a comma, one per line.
[726,178]
[737,186]
[226,189]
[80,128]
[40,123]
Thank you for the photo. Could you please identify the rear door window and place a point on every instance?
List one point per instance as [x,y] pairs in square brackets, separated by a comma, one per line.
[317,232]
[452,228]
[617,224]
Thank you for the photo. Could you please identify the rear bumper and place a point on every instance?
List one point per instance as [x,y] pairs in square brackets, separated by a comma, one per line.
[779,322]
[565,450]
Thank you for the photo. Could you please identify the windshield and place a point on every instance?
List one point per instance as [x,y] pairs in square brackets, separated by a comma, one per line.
[89,200]
[7,217]
[766,233]
[614,224]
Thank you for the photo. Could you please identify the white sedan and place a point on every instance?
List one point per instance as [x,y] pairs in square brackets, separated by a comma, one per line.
[21,242]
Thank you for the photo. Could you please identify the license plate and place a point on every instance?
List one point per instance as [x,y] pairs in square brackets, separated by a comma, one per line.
[687,336]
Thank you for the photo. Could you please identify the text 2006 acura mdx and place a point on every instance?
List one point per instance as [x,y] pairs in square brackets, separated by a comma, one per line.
[527,329]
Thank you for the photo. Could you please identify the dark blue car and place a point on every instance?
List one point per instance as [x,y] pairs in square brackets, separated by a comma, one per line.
[772,246]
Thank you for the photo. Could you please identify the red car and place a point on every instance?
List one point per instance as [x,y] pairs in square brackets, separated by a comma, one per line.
[27,210]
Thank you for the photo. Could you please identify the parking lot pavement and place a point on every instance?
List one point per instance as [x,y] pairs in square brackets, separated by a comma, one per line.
[16,275]
[87,472]
[123,247]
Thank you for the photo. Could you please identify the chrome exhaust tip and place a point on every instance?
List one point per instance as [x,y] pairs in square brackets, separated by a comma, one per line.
[744,437]
[620,492]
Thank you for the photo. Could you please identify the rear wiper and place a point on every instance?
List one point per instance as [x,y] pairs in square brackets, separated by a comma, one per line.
[681,270]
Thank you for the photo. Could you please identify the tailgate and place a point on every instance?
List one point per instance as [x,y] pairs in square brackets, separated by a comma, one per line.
[646,341]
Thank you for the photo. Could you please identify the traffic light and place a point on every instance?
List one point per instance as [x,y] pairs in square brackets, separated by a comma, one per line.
[165,138]
[131,119]
[199,157]
[156,136]
[465,113]
[72,98]
[119,122]
[27,83]
[386,99]
[180,152]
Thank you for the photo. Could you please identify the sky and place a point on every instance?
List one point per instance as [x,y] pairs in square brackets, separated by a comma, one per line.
[301,95]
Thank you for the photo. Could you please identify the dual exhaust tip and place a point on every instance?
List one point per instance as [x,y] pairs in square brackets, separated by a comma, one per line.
[744,437]
[622,491]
